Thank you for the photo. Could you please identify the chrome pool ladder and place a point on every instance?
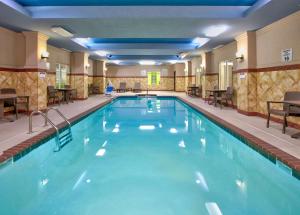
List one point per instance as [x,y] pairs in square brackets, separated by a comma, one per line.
[60,140]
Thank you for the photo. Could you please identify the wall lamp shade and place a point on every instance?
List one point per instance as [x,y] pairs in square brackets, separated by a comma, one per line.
[239,56]
[45,55]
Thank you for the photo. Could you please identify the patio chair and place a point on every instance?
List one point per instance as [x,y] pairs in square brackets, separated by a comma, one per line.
[286,110]
[225,97]
[21,100]
[122,87]
[137,87]
[209,96]
[53,94]
[71,94]
[95,89]
[199,91]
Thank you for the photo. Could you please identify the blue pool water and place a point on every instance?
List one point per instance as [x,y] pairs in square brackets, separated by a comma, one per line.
[147,157]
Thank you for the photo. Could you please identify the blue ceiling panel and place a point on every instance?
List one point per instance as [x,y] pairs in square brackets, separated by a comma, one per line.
[144,40]
[144,57]
[136,2]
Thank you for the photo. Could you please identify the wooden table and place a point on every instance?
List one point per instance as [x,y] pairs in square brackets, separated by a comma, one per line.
[216,93]
[7,97]
[297,104]
[65,91]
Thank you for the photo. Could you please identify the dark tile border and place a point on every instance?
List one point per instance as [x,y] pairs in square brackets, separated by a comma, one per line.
[265,149]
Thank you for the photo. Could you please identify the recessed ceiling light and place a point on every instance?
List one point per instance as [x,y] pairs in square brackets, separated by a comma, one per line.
[81,41]
[173,61]
[147,62]
[217,47]
[62,32]
[183,55]
[102,53]
[215,30]
[199,41]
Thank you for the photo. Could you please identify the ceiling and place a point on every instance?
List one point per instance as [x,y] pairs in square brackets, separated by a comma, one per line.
[135,2]
[132,30]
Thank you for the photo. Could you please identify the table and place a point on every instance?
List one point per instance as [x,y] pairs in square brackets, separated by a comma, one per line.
[193,90]
[6,97]
[65,91]
[297,104]
[216,93]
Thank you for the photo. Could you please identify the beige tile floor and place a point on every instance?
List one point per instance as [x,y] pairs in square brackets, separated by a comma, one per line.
[12,133]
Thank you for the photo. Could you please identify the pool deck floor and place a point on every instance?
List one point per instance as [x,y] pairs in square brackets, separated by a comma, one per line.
[13,133]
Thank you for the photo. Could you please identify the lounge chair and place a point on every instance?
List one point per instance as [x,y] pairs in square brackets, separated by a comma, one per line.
[122,88]
[225,97]
[21,100]
[137,87]
[53,94]
[286,110]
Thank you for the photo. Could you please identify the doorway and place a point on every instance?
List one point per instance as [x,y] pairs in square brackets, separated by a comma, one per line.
[225,74]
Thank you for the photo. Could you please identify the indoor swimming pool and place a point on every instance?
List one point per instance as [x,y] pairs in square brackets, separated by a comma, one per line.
[147,156]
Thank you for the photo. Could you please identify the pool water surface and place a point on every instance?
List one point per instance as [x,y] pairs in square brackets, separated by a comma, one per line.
[147,156]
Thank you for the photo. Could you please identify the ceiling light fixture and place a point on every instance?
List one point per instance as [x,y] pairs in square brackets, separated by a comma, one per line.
[82,41]
[217,47]
[183,55]
[147,62]
[173,61]
[101,53]
[215,30]
[62,32]
[199,41]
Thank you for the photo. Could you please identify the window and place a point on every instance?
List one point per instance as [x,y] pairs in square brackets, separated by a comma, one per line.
[62,72]
[153,78]
[199,72]
[225,75]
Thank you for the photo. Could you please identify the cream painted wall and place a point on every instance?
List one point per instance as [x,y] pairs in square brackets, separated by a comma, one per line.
[180,69]
[226,52]
[91,68]
[12,52]
[138,70]
[57,55]
[79,61]
[196,63]
[271,39]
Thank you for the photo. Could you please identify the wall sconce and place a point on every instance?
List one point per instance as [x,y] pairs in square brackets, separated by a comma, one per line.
[45,55]
[239,56]
[87,66]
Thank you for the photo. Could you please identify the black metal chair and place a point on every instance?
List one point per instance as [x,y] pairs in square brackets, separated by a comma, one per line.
[137,87]
[53,94]
[72,94]
[122,87]
[286,110]
[21,100]
[225,97]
